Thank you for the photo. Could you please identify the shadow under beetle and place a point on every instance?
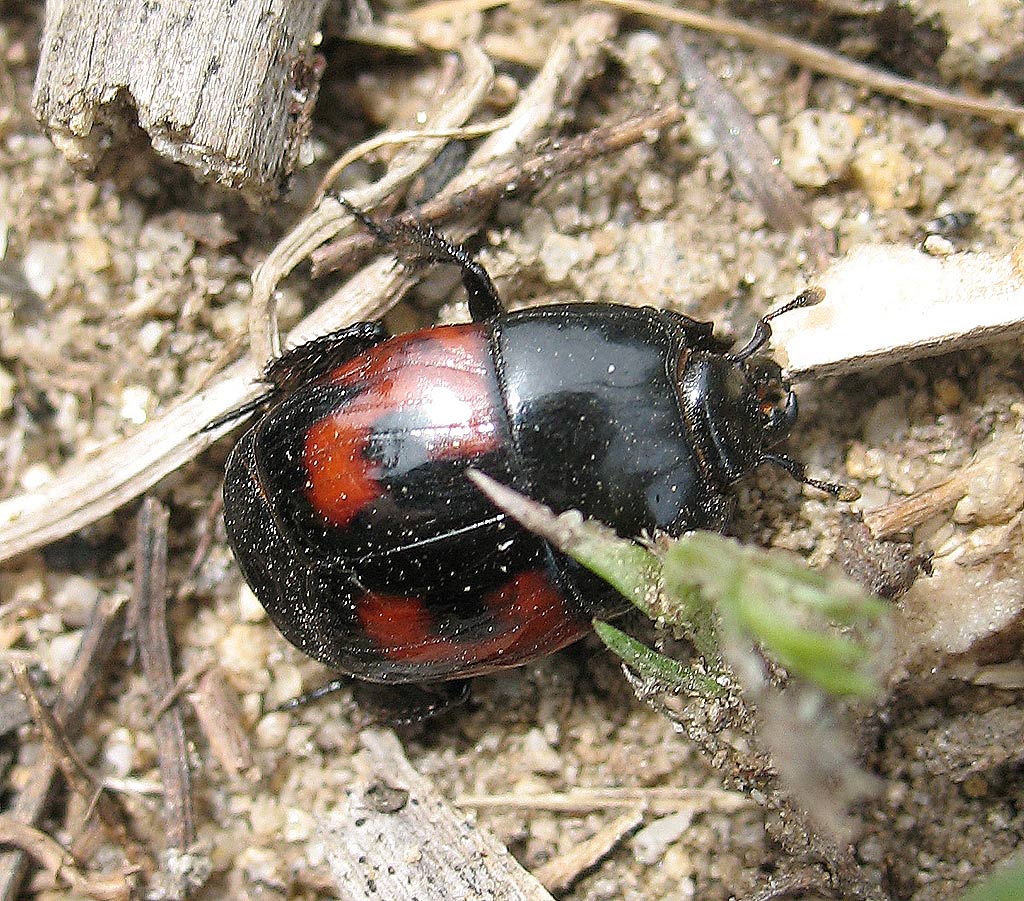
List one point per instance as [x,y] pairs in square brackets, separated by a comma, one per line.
[347,503]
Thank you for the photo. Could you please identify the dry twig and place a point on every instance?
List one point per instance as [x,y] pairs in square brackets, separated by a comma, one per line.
[150,621]
[330,217]
[521,178]
[58,862]
[112,814]
[828,63]
[751,160]
[220,717]
[656,801]
[560,872]
[101,635]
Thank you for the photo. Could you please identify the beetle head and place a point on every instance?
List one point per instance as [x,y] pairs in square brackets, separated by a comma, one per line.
[734,410]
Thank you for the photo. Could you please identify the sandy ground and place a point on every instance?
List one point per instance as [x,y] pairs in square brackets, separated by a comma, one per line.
[113,303]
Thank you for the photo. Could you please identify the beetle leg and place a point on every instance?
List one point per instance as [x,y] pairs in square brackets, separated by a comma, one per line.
[424,241]
[322,691]
[799,472]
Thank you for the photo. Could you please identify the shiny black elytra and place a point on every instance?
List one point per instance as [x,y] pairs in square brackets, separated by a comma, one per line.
[348,507]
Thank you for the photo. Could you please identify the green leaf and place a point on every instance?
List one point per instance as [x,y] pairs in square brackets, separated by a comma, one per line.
[1006,884]
[652,665]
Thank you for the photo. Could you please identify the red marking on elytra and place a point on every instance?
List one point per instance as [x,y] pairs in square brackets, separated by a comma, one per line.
[440,378]
[399,626]
[530,619]
[533,611]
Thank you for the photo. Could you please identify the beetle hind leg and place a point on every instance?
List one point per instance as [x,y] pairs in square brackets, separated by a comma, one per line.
[418,240]
[396,705]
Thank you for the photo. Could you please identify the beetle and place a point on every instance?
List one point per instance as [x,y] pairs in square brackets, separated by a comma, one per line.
[347,503]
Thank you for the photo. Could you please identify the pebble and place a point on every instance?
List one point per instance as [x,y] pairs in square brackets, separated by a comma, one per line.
[266,816]
[59,651]
[285,684]
[817,146]
[651,842]
[298,825]
[887,176]
[560,254]
[93,252]
[244,649]
[250,610]
[43,264]
[118,753]
[540,756]
[7,389]
[272,730]
[135,403]
[75,597]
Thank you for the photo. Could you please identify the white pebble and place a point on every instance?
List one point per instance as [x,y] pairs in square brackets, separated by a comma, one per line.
[817,146]
[651,842]
[272,730]
[250,610]
[43,263]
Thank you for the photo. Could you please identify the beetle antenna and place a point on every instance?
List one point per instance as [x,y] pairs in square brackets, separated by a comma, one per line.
[799,472]
[763,330]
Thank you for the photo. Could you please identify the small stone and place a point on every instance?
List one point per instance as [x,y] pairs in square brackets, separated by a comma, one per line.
[7,389]
[75,598]
[654,192]
[975,786]
[560,254]
[947,394]
[35,476]
[43,264]
[135,403]
[285,684]
[244,650]
[93,252]
[266,816]
[250,610]
[938,246]
[272,730]
[58,653]
[150,336]
[817,146]
[887,176]
[118,753]
[540,756]
[651,842]
[298,825]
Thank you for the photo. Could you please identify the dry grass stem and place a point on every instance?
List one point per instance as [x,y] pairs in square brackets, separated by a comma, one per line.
[561,872]
[50,855]
[656,801]
[828,63]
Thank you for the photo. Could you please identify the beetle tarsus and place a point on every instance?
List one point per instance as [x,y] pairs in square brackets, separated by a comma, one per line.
[322,691]
[798,471]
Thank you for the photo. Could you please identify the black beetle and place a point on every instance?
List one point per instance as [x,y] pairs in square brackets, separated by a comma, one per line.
[348,507]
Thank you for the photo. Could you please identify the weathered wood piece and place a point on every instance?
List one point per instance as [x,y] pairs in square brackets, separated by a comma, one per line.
[398,838]
[886,304]
[224,86]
